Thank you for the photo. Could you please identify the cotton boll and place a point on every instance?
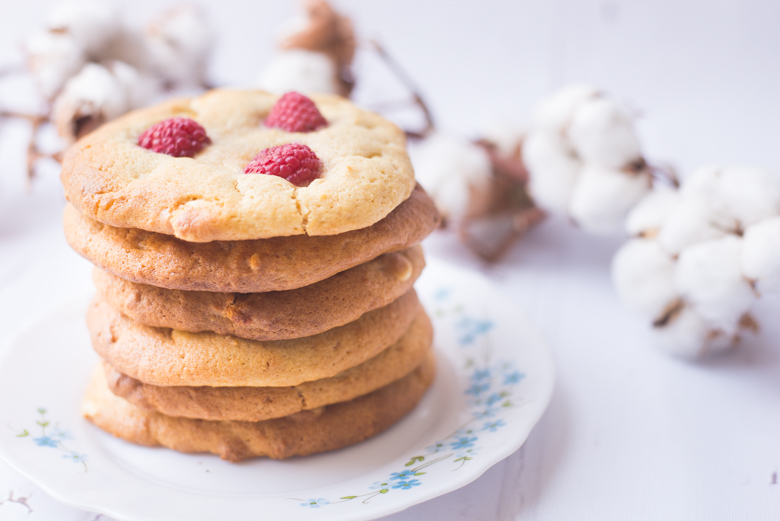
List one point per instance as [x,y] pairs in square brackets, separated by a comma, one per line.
[687,335]
[643,275]
[760,260]
[92,23]
[749,194]
[553,170]
[298,70]
[603,133]
[555,112]
[743,195]
[296,24]
[178,45]
[691,221]
[52,59]
[708,276]
[140,89]
[89,99]
[649,215]
[449,168]
[704,180]
[603,196]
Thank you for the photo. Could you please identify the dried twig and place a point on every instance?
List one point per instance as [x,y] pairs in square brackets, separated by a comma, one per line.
[20,500]
[407,82]
[664,173]
[33,153]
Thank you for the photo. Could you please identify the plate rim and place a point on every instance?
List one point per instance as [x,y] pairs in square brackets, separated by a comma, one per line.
[477,468]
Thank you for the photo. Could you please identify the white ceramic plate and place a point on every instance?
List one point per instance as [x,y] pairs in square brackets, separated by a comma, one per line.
[495,378]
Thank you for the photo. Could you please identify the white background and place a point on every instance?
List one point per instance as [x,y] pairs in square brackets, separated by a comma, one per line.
[630,434]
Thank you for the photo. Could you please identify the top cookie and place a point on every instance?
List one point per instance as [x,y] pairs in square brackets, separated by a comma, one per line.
[365,172]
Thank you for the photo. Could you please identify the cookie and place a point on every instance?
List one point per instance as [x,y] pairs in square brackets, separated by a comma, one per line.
[275,315]
[277,264]
[262,403]
[307,432]
[365,172]
[161,356]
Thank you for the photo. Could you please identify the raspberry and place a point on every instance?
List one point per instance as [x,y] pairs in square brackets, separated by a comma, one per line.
[177,137]
[295,162]
[295,113]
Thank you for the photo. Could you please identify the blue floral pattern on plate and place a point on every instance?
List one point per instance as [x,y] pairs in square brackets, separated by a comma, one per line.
[488,393]
[53,439]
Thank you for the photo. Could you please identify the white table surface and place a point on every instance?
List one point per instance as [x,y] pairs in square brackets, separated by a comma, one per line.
[630,433]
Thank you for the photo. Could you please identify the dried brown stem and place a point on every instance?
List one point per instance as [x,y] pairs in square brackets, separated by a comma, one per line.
[33,153]
[407,82]
[512,166]
[663,172]
[523,220]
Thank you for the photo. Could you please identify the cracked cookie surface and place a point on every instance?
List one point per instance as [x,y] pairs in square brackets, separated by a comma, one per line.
[365,173]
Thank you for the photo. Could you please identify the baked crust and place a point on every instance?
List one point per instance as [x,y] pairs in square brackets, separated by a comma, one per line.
[365,172]
[277,264]
[161,356]
[263,403]
[307,432]
[275,315]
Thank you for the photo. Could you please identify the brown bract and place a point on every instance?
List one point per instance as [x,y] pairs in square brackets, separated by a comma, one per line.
[277,264]
[330,33]
[306,432]
[365,172]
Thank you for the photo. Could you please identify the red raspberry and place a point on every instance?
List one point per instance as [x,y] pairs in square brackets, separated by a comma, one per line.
[177,137]
[295,162]
[295,113]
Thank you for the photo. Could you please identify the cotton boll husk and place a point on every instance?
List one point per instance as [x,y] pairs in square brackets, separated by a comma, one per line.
[93,24]
[298,70]
[603,133]
[507,138]
[448,167]
[93,93]
[708,276]
[649,215]
[555,112]
[603,196]
[553,170]
[52,59]
[178,45]
[129,46]
[643,275]
[687,335]
[691,221]
[760,260]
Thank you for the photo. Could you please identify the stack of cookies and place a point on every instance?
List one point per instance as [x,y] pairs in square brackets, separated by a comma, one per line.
[255,257]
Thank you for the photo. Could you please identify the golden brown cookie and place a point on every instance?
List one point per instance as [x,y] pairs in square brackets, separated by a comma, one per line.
[365,172]
[278,264]
[326,428]
[161,356]
[275,315]
[263,403]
